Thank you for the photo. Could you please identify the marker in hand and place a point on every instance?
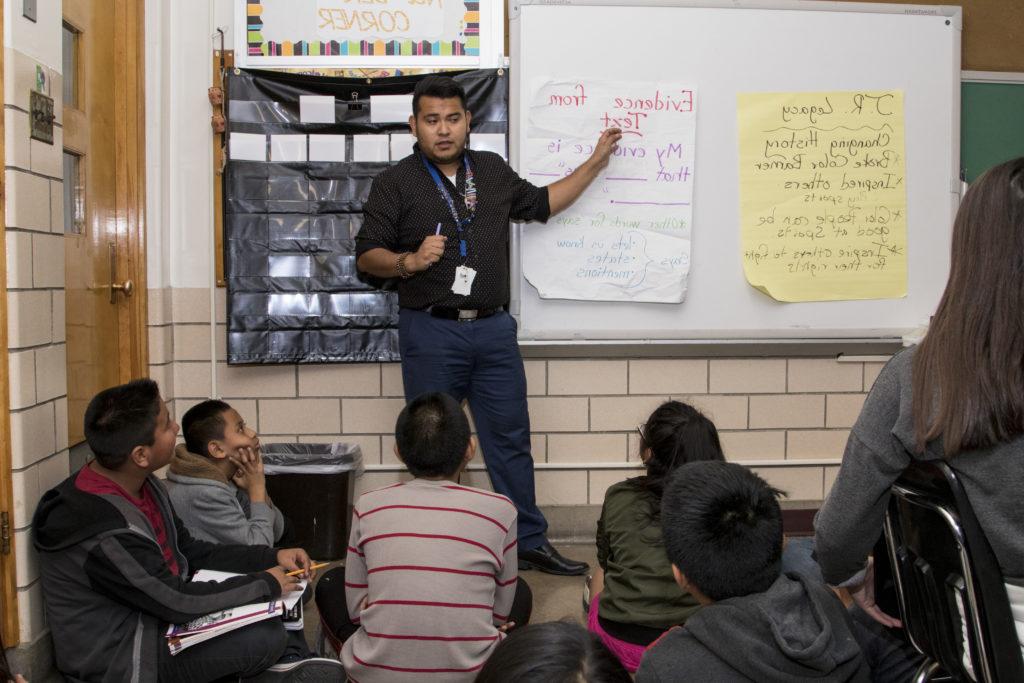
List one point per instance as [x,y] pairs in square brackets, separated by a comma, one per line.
[438,231]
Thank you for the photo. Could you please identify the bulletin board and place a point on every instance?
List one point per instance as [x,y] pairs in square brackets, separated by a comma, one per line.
[724,51]
[276,34]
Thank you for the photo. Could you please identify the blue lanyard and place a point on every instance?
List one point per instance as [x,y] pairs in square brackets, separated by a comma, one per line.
[460,223]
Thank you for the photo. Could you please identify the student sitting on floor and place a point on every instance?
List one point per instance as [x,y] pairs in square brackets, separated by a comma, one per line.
[723,533]
[216,479]
[431,573]
[115,561]
[555,652]
[639,600]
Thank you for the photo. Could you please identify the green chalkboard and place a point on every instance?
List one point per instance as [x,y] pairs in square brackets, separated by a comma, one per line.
[991,125]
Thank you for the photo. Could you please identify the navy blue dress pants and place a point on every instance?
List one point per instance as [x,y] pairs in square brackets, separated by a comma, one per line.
[479,361]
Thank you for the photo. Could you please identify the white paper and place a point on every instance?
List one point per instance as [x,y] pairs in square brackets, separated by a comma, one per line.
[371,147]
[287,148]
[603,264]
[401,145]
[390,108]
[289,600]
[316,109]
[247,147]
[489,142]
[463,284]
[627,237]
[327,148]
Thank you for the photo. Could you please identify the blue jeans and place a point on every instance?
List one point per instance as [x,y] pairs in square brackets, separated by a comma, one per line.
[798,556]
[479,361]
[244,652]
[891,658]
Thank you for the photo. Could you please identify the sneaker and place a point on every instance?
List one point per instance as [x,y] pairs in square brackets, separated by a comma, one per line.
[312,669]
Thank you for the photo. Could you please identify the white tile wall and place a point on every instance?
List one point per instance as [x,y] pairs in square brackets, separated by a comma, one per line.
[783,410]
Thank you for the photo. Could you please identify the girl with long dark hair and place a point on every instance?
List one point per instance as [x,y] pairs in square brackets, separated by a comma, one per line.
[635,598]
[958,396]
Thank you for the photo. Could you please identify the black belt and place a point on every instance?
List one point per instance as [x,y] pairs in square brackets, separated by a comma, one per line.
[461,314]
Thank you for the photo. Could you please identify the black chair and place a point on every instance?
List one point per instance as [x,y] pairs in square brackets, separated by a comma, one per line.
[948,582]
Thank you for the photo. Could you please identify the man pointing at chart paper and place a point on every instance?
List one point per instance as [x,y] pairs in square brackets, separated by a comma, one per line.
[438,220]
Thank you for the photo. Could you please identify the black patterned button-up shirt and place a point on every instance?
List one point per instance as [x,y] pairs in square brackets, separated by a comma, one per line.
[405,206]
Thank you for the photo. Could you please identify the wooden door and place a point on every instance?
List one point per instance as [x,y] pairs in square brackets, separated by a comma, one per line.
[103,199]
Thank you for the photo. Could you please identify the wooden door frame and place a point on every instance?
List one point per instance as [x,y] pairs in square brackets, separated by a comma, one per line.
[9,626]
[130,184]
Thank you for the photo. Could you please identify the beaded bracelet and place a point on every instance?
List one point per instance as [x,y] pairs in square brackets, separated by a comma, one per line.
[403,272]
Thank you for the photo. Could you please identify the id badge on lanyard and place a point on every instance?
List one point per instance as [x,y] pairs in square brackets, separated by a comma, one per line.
[464,275]
[460,223]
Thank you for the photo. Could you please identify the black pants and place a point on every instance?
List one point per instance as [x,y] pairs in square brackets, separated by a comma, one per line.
[330,601]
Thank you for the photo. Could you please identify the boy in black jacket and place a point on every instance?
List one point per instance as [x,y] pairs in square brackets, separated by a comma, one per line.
[723,534]
[116,560]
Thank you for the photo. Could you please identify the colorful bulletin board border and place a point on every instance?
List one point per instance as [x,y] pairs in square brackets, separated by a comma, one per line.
[479,43]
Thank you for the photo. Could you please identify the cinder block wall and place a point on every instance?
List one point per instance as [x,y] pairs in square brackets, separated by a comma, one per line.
[35,291]
[789,418]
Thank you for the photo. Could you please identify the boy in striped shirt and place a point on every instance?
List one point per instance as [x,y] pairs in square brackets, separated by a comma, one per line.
[431,574]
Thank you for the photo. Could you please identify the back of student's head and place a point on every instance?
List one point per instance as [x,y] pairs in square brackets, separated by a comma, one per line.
[202,423]
[120,418]
[722,527]
[968,381]
[676,433]
[553,652]
[432,434]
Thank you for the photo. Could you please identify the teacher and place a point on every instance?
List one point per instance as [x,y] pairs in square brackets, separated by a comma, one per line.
[438,220]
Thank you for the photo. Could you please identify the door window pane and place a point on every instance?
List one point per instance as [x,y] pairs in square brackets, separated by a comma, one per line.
[69,61]
[74,195]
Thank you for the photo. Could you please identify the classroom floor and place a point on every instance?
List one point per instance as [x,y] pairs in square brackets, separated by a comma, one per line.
[554,597]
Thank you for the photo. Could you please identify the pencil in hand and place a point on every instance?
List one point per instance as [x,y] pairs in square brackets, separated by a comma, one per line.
[315,565]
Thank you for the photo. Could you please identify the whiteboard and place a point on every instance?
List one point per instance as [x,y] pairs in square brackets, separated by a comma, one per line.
[728,48]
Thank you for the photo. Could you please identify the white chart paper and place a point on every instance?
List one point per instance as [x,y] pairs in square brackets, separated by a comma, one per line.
[627,238]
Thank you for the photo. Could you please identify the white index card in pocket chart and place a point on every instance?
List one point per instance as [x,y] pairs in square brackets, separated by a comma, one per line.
[287,148]
[489,142]
[370,147]
[247,147]
[390,108]
[316,109]
[401,145]
[327,148]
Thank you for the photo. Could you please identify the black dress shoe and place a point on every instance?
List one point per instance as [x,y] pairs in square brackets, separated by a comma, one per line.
[548,560]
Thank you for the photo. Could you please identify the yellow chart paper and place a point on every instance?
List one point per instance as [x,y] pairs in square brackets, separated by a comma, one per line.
[823,202]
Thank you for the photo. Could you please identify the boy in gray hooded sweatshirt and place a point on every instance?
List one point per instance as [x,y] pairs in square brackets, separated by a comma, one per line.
[216,479]
[722,527]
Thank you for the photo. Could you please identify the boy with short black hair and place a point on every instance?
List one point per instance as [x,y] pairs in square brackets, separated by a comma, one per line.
[216,479]
[115,562]
[722,527]
[431,572]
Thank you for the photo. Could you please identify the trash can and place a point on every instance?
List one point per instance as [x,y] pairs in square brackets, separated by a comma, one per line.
[313,485]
